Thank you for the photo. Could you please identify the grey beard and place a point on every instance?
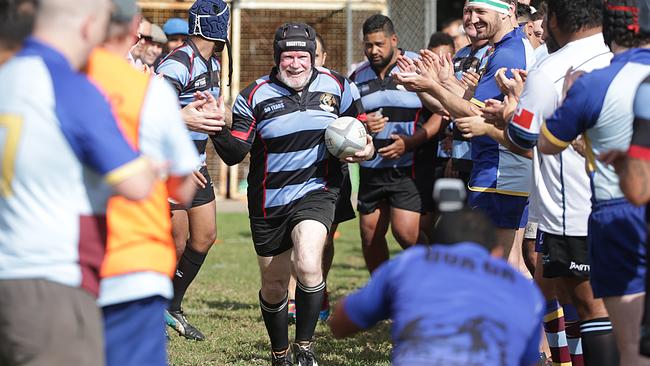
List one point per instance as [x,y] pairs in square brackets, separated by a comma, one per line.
[287,82]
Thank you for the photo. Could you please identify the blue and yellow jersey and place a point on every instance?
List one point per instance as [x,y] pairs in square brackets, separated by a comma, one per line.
[496,169]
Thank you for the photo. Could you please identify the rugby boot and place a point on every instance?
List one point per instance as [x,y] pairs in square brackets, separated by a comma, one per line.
[281,358]
[303,355]
[177,320]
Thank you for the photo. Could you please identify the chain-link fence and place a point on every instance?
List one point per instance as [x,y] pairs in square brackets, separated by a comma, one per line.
[414,22]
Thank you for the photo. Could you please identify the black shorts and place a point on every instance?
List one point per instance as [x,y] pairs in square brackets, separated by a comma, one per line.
[202,195]
[344,210]
[565,256]
[272,236]
[396,186]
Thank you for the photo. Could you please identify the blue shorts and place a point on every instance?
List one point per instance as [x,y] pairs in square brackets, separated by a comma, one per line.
[506,212]
[617,236]
[134,333]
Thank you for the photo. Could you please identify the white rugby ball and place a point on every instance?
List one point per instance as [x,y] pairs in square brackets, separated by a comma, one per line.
[345,136]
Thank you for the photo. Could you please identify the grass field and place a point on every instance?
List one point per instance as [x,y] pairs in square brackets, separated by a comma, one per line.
[223,303]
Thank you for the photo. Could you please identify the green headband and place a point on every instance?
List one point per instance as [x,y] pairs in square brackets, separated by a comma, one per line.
[496,5]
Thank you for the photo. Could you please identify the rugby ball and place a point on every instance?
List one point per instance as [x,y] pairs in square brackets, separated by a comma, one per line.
[345,136]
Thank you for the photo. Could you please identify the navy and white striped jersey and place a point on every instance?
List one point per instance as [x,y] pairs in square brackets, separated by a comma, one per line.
[188,72]
[402,107]
[285,131]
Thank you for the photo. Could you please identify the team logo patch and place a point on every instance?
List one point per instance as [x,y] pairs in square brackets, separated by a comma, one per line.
[523,118]
[201,82]
[327,102]
[274,107]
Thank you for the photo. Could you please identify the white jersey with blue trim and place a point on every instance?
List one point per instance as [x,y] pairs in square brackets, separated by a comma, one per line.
[560,202]
[600,106]
[496,169]
[60,144]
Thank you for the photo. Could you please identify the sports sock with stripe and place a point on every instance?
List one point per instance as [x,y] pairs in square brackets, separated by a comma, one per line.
[276,320]
[598,342]
[555,333]
[308,304]
[572,322]
[187,269]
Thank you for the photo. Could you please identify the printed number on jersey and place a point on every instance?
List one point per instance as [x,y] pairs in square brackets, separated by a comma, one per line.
[10,127]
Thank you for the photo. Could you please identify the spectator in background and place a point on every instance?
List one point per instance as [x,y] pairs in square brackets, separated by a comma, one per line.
[155,47]
[144,35]
[430,294]
[442,43]
[16,21]
[455,29]
[531,22]
[140,256]
[177,31]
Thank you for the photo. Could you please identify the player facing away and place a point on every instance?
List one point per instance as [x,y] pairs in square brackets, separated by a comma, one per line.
[388,194]
[293,183]
[432,295]
[599,106]
[49,277]
[191,68]
[140,253]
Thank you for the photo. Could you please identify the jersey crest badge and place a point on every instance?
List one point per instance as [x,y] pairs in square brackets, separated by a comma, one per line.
[327,102]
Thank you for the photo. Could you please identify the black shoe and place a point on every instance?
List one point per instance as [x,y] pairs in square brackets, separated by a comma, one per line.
[182,326]
[281,358]
[303,355]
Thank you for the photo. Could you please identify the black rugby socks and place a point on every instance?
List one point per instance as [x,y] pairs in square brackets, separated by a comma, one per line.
[308,304]
[188,267]
[598,342]
[276,320]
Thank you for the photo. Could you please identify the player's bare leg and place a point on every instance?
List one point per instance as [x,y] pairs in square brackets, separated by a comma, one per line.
[506,238]
[374,227]
[529,255]
[203,232]
[309,238]
[427,222]
[273,299]
[625,313]
[516,258]
[180,231]
[598,348]
[405,226]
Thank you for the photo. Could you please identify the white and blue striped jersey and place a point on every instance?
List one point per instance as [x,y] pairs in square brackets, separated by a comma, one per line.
[188,72]
[600,106]
[60,144]
[560,200]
